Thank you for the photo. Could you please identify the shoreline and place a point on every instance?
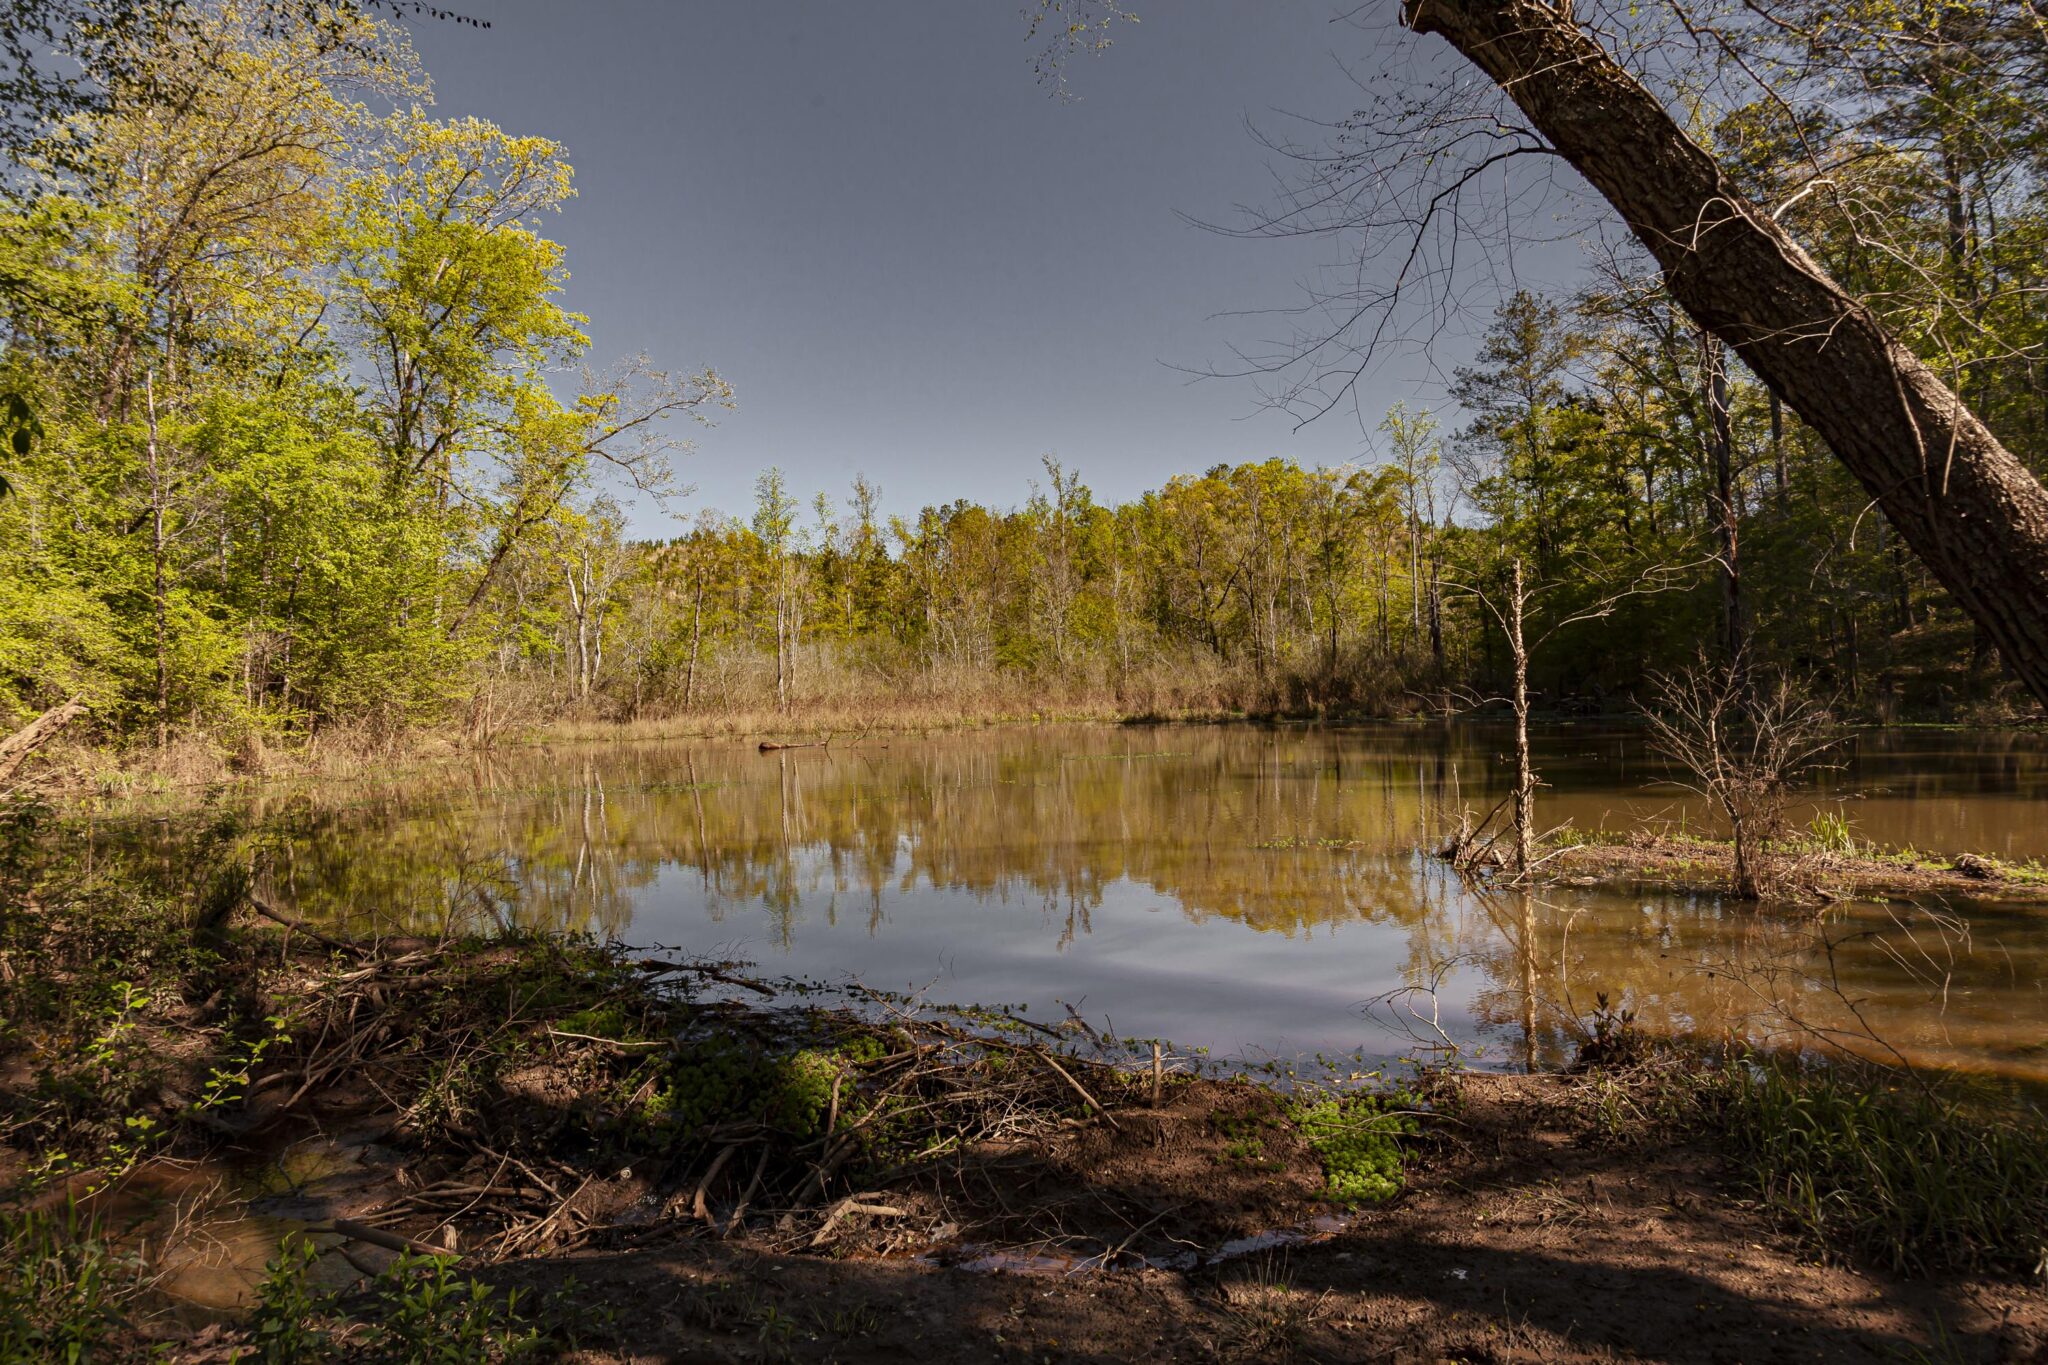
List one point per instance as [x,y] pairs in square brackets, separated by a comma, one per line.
[75,770]
[744,1173]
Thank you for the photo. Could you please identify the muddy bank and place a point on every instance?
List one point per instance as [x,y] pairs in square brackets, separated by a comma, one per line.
[287,1141]
[1528,1231]
[1531,1227]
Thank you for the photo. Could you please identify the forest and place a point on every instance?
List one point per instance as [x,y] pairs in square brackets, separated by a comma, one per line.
[811,973]
[306,438]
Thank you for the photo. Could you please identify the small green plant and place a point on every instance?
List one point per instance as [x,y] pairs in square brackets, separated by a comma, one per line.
[859,1321]
[1614,1040]
[1831,832]
[61,1285]
[424,1313]
[419,1311]
[284,1327]
[1246,1140]
[1357,1139]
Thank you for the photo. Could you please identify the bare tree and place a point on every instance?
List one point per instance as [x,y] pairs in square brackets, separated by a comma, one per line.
[1743,742]
[1509,606]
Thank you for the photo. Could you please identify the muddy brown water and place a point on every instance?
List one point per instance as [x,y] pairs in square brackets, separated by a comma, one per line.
[1257,892]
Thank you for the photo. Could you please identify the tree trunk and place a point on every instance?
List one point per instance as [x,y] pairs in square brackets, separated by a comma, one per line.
[1778,448]
[1966,506]
[1525,774]
[159,605]
[696,640]
[15,748]
[1727,511]
[1436,615]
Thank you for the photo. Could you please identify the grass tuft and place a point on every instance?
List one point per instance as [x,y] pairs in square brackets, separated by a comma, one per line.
[1904,1177]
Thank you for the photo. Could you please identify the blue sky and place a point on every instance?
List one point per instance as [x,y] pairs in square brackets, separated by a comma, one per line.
[908,259]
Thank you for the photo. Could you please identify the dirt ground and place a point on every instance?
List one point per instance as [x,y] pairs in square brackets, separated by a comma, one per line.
[1525,1234]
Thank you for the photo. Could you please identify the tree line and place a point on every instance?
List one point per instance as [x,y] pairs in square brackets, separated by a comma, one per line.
[294,445]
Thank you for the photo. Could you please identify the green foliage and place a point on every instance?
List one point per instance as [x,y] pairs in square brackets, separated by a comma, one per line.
[419,1311]
[723,1080]
[61,1286]
[284,1327]
[1888,1171]
[1357,1138]
[424,1313]
[1831,832]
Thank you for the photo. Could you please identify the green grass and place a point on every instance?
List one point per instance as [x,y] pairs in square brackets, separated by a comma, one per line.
[1902,1177]
[62,1287]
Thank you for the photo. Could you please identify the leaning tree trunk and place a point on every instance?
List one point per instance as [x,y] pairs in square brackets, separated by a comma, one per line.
[15,748]
[1967,507]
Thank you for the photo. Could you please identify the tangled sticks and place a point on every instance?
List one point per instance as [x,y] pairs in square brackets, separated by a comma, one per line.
[537,1093]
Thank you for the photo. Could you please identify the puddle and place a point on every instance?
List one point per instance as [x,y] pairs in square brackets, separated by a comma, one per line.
[210,1231]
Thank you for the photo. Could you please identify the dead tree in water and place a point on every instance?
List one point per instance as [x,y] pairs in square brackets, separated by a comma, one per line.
[1743,743]
[1510,609]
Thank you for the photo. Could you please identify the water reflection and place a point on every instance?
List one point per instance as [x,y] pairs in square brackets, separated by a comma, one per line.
[1251,890]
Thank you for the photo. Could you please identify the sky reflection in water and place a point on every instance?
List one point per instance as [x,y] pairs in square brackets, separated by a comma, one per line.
[1244,889]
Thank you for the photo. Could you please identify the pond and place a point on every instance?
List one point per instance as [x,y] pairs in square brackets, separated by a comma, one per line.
[1260,892]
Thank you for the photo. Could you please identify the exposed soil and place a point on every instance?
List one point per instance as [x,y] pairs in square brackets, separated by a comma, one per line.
[949,1193]
[1647,861]
[1525,1233]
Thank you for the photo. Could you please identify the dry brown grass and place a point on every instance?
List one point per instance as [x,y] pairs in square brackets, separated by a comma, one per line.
[836,699]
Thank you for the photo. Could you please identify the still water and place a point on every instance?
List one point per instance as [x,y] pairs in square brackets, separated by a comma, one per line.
[1259,892]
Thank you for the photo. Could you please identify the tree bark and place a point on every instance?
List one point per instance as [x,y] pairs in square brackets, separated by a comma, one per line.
[1959,498]
[159,587]
[1727,508]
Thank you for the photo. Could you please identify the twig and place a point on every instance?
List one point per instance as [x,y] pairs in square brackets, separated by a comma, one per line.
[852,1204]
[1093,1103]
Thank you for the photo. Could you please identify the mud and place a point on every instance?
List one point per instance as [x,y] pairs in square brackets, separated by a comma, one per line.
[1525,1233]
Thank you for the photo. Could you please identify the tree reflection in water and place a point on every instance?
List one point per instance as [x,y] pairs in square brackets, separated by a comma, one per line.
[1243,888]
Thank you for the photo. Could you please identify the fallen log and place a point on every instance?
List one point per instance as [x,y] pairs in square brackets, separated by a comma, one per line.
[15,749]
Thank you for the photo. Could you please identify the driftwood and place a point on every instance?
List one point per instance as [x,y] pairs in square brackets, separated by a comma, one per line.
[769,746]
[15,749]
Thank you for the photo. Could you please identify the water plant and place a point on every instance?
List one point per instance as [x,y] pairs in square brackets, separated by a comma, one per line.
[1831,832]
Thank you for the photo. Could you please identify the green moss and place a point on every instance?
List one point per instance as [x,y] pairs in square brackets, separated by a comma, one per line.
[722,1081]
[599,1021]
[1357,1139]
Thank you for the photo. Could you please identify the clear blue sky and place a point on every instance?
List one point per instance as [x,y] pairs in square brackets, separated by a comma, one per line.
[908,260]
